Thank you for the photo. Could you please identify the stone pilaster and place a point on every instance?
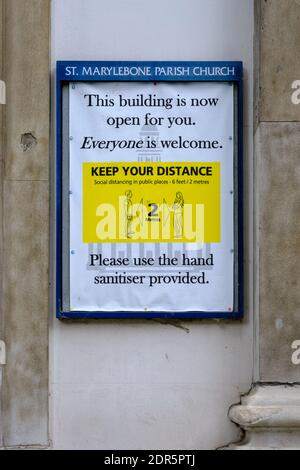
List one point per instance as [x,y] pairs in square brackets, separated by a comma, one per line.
[270,414]
[25,219]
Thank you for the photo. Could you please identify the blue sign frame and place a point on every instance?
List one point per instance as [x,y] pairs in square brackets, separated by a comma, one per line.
[74,71]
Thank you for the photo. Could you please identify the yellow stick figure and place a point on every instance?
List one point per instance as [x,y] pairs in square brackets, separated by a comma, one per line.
[128,214]
[178,208]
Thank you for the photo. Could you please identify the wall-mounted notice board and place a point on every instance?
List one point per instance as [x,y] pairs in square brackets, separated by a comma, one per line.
[149,190]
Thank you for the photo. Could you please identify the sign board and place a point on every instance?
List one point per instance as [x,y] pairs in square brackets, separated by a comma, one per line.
[149,190]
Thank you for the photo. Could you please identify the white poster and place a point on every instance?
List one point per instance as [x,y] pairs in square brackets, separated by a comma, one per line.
[151,196]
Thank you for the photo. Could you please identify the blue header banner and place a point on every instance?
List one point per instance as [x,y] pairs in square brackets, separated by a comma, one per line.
[152,71]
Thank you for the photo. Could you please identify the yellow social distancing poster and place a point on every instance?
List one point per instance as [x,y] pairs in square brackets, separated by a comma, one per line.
[157,202]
